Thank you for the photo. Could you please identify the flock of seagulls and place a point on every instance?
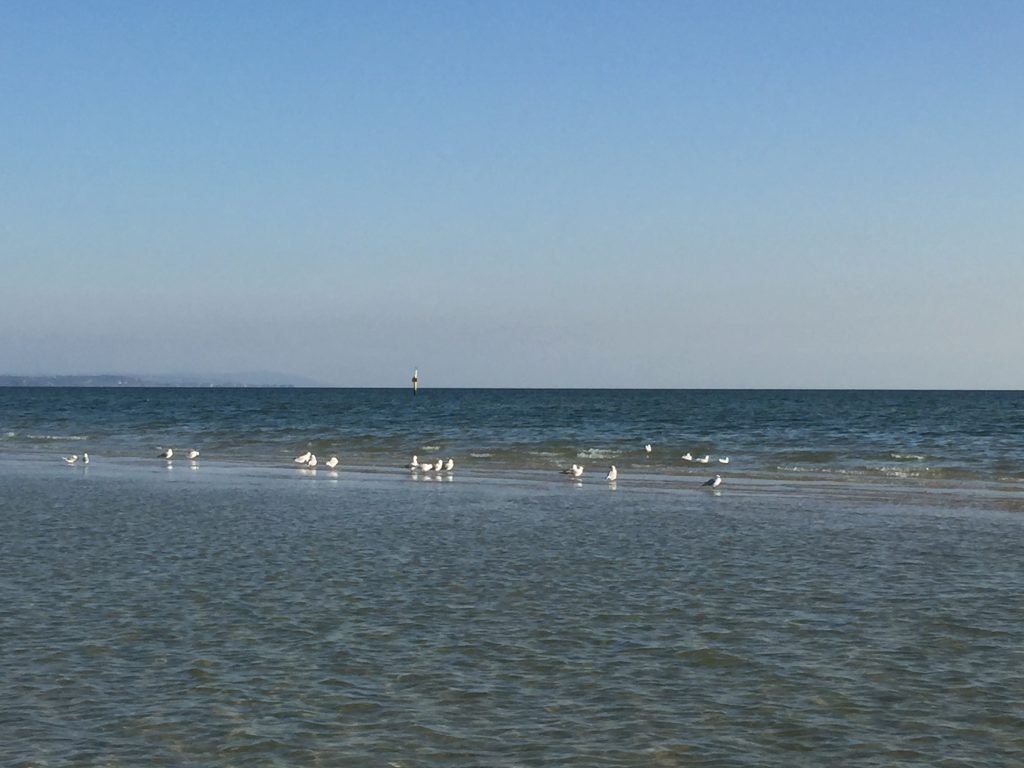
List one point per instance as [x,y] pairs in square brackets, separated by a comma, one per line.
[705,459]
[576,470]
[309,459]
[438,465]
[168,453]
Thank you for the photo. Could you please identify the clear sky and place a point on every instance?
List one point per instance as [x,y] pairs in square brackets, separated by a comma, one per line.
[651,194]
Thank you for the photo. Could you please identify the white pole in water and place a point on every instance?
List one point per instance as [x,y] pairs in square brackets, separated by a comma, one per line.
[415,380]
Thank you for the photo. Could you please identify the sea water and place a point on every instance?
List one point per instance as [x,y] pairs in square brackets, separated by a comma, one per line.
[239,610]
[781,435]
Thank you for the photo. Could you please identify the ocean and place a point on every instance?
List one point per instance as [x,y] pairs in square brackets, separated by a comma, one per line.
[852,593]
[926,438]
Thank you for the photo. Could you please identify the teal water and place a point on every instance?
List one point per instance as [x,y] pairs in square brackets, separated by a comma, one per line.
[153,617]
[858,436]
[240,611]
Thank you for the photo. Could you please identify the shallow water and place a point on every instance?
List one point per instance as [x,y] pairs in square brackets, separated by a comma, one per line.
[153,617]
[932,438]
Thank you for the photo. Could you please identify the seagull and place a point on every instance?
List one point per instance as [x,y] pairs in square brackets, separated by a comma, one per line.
[70,459]
[312,461]
[647,447]
[332,462]
[438,465]
[426,466]
[449,465]
[575,470]
[703,460]
[414,464]
[85,458]
[714,482]
[686,457]
[304,458]
[723,460]
[613,473]
[167,454]
[193,454]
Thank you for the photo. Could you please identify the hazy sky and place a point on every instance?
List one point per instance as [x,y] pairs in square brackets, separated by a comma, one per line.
[664,194]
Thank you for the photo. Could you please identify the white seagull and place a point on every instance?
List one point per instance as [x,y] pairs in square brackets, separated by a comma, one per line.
[414,464]
[613,473]
[723,459]
[703,459]
[70,459]
[686,457]
[714,482]
[332,462]
[304,458]
[193,454]
[647,447]
[575,470]
[426,466]
[312,461]
[167,454]
[438,465]
[449,465]
[85,458]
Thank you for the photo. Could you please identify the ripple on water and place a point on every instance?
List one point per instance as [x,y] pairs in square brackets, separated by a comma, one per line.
[163,623]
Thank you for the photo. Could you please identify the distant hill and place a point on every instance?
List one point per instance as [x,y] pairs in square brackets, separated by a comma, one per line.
[138,380]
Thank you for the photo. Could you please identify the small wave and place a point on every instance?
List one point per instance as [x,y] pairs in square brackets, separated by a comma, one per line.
[482,455]
[596,453]
[898,472]
[821,470]
[906,457]
[813,457]
[54,437]
[11,434]
[430,448]
[547,454]
[712,658]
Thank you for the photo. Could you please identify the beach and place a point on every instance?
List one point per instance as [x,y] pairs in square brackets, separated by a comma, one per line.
[217,614]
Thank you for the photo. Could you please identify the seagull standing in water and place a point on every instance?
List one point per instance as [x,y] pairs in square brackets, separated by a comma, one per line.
[449,465]
[648,448]
[303,459]
[312,461]
[686,457]
[85,458]
[193,454]
[73,458]
[703,459]
[332,462]
[576,470]
[612,475]
[414,464]
[167,455]
[714,482]
[723,460]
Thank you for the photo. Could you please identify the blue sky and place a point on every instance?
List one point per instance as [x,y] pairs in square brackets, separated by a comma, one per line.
[664,194]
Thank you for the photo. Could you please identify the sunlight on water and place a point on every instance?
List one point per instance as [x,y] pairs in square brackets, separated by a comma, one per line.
[168,618]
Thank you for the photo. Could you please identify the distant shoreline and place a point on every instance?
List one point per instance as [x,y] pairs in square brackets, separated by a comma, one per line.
[280,381]
[115,380]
